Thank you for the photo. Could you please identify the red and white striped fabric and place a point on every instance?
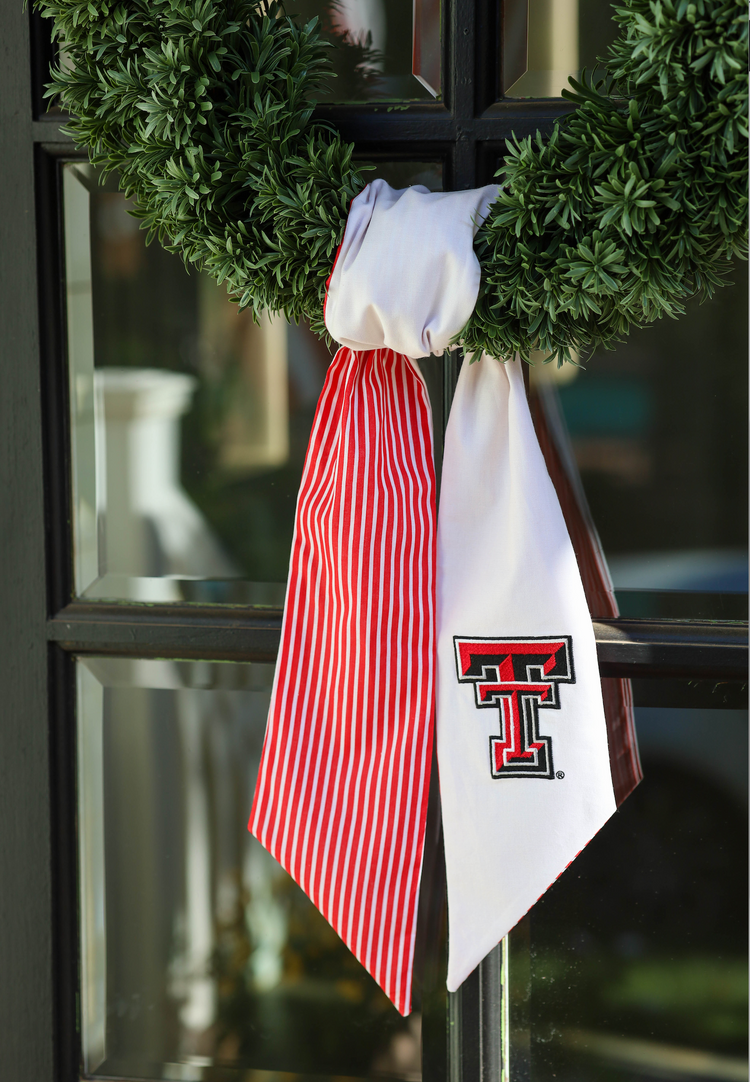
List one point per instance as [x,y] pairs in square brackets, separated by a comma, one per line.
[341,799]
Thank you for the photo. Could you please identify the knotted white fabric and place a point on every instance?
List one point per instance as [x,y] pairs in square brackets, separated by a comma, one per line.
[522,747]
[406,276]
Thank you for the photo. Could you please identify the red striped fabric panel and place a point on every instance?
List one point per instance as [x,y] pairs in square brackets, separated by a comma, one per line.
[341,799]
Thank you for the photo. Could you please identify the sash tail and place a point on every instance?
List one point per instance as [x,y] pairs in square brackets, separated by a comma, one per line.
[617,694]
[525,776]
[341,798]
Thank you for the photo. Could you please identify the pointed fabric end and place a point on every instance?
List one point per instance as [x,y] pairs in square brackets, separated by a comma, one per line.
[341,798]
[525,777]
[395,976]
[467,950]
[396,981]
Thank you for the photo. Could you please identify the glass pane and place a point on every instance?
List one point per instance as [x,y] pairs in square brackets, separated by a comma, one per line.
[201,959]
[638,954]
[189,421]
[372,54]
[404,174]
[564,36]
[658,428]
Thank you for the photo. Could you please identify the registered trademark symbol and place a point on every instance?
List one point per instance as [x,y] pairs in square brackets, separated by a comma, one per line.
[560,774]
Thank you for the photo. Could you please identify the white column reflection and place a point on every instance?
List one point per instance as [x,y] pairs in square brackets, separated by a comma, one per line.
[169,875]
[198,951]
[138,531]
[153,529]
[92,882]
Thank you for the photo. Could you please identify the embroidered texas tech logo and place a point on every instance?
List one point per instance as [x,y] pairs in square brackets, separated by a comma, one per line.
[519,677]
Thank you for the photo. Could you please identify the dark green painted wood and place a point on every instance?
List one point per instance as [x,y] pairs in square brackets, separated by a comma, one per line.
[625,647]
[672,648]
[209,632]
[26,951]
[49,133]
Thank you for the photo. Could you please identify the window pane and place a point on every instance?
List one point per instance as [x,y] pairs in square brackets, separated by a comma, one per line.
[189,421]
[564,36]
[658,428]
[372,54]
[404,174]
[199,952]
[638,954]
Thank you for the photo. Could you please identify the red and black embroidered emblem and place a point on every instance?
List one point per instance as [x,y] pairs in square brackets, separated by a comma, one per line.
[519,677]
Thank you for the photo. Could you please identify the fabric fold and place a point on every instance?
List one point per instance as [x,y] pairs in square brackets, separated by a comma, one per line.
[406,276]
[617,694]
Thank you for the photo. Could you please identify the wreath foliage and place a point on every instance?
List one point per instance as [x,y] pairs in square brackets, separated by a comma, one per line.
[637,201]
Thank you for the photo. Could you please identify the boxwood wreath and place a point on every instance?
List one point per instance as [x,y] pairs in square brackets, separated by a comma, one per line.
[637,201]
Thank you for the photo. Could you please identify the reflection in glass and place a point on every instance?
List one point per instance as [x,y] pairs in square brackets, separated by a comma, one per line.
[189,421]
[682,604]
[404,174]
[184,413]
[564,36]
[658,428]
[637,957]
[426,45]
[372,48]
[198,951]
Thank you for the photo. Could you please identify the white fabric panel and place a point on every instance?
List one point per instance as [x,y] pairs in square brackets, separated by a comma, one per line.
[406,276]
[506,571]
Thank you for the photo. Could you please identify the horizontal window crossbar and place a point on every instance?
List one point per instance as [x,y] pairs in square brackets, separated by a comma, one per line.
[626,647]
[421,128]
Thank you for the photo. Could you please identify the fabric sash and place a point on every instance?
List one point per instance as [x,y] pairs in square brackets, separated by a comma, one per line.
[341,799]
[375,619]
[525,779]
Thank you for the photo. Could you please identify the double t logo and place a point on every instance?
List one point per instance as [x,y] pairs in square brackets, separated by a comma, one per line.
[518,676]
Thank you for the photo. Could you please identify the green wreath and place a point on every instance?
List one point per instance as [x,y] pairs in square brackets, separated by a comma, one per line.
[637,201]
